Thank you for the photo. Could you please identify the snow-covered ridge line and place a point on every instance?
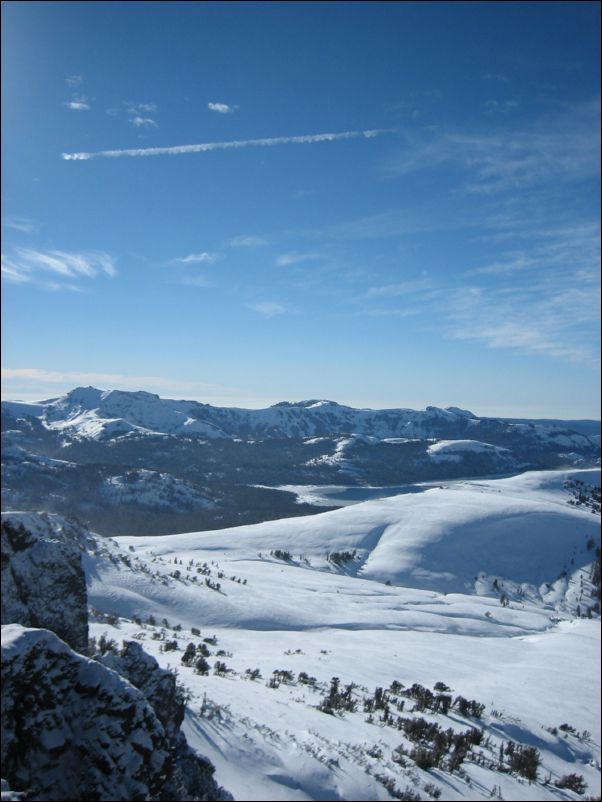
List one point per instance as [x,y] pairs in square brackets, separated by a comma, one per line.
[90,413]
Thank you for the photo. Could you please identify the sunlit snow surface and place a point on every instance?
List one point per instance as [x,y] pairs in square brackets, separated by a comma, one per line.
[533,663]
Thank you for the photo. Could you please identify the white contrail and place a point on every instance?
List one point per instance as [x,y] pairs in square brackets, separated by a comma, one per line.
[240,143]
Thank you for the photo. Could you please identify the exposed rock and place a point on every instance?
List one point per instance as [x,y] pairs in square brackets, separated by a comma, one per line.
[72,728]
[158,686]
[43,581]
[191,776]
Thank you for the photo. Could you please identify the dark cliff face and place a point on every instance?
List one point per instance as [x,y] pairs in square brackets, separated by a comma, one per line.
[157,685]
[190,776]
[43,581]
[73,729]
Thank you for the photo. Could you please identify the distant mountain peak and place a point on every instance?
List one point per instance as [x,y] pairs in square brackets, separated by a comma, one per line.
[311,403]
[88,397]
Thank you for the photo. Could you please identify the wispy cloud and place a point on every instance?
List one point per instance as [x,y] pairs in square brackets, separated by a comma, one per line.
[12,271]
[268,308]
[250,241]
[561,147]
[206,257]
[78,105]
[386,225]
[400,288]
[548,322]
[108,380]
[221,108]
[382,312]
[34,384]
[78,101]
[137,113]
[139,108]
[540,297]
[18,224]
[574,247]
[287,259]
[144,122]
[209,146]
[27,265]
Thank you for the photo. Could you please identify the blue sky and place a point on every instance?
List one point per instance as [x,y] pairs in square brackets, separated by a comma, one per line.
[442,247]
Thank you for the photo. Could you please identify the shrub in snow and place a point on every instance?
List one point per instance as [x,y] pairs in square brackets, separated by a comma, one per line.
[189,655]
[201,666]
[524,760]
[220,668]
[574,782]
[253,673]
[336,699]
[279,554]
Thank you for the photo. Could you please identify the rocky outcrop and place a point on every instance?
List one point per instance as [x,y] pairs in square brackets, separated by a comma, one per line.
[158,686]
[43,581]
[72,728]
[191,776]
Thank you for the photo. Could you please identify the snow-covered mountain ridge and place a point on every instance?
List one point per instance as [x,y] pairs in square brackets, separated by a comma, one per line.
[131,463]
[90,413]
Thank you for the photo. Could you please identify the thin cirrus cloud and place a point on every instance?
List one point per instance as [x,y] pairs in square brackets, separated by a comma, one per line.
[139,108]
[40,377]
[268,308]
[250,241]
[77,105]
[144,122]
[78,101]
[17,223]
[564,146]
[206,257]
[234,144]
[221,108]
[288,259]
[399,289]
[32,384]
[138,114]
[30,266]
[525,319]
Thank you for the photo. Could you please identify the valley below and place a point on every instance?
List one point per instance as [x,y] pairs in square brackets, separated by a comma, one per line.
[307,602]
[440,644]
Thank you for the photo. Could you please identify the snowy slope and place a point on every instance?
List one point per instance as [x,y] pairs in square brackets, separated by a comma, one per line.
[152,489]
[521,528]
[489,589]
[452,555]
[453,449]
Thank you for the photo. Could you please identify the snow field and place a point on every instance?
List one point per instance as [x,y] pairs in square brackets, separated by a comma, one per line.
[448,554]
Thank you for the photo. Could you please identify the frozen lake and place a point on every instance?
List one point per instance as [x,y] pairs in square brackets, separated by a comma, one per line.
[344,495]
